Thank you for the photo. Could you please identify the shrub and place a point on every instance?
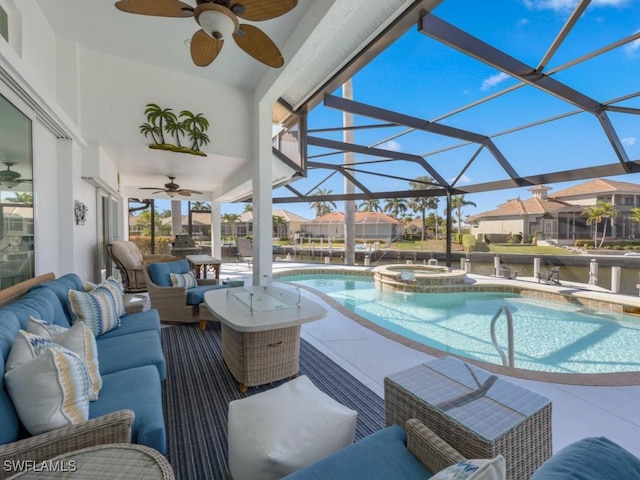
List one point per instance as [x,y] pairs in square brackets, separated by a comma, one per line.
[468,241]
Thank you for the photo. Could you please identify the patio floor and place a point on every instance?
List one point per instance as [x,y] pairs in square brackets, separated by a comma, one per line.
[578,411]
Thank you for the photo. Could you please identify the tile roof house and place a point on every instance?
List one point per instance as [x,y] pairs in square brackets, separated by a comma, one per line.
[369,226]
[558,217]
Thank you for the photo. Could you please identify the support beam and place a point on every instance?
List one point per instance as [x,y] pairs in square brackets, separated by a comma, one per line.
[377,152]
[452,36]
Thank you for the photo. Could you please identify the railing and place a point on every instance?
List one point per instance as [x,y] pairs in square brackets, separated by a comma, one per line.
[510,361]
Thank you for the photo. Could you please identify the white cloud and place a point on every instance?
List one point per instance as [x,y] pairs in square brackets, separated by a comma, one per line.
[628,141]
[568,5]
[391,145]
[464,180]
[634,46]
[494,80]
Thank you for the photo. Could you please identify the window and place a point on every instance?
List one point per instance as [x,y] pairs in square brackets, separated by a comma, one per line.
[16,196]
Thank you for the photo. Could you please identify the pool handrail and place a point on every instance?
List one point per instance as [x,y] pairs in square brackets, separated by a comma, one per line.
[510,362]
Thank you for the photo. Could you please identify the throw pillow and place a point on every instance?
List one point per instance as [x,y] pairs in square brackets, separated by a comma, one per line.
[50,391]
[117,290]
[187,280]
[96,308]
[476,469]
[44,329]
[80,340]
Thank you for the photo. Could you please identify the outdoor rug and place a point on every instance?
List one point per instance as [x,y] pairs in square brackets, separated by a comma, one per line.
[199,388]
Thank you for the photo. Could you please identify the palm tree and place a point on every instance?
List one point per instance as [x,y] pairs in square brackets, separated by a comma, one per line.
[231,218]
[395,206]
[158,116]
[248,207]
[21,197]
[370,205]
[175,128]
[195,126]
[151,130]
[278,220]
[200,206]
[595,214]
[457,202]
[422,204]
[166,213]
[323,207]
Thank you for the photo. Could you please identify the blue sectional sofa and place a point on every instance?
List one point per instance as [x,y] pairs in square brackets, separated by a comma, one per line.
[131,361]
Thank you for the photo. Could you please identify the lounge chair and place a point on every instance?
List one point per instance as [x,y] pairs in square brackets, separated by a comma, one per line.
[552,276]
[245,250]
[506,272]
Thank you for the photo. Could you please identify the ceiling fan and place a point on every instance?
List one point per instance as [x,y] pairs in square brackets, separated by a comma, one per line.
[172,189]
[218,20]
[11,178]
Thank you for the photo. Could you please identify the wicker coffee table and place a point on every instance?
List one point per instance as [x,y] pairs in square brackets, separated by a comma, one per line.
[261,331]
[476,412]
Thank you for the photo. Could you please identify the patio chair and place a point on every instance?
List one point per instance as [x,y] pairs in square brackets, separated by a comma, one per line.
[551,276]
[178,304]
[128,260]
[245,250]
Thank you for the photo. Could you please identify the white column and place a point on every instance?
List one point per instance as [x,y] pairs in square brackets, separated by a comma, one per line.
[176,217]
[349,187]
[262,199]
[216,230]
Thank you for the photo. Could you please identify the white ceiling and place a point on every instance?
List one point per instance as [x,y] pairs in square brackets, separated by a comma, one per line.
[161,41]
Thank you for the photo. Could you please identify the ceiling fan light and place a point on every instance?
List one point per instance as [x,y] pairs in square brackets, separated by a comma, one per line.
[217,22]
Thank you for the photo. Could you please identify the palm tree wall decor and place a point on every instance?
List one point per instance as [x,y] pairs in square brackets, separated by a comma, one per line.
[164,120]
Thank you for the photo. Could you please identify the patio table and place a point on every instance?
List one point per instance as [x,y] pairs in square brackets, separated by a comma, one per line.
[480,414]
[261,330]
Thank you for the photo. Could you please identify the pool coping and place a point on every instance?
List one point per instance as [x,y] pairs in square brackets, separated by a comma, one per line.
[573,293]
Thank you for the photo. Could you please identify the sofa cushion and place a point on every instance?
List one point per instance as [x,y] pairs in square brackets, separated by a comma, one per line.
[96,308]
[44,305]
[140,390]
[475,469]
[381,456]
[593,458]
[187,280]
[9,327]
[135,322]
[60,287]
[195,296]
[116,354]
[159,271]
[50,391]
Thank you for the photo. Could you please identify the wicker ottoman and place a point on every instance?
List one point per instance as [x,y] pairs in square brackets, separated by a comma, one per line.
[274,433]
[477,413]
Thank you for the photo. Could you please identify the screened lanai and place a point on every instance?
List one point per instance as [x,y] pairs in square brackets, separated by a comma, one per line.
[474,98]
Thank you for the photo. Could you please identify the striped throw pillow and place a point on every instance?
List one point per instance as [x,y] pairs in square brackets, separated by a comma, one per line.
[43,328]
[187,280]
[50,391]
[97,309]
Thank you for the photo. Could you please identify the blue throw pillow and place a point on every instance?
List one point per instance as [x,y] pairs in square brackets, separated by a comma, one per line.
[595,458]
[160,271]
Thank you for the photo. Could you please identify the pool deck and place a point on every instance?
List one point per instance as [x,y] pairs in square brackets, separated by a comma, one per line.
[578,411]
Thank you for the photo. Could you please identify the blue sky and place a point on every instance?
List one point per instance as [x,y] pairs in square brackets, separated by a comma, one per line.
[421,77]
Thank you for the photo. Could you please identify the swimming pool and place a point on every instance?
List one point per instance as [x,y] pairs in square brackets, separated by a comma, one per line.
[548,336]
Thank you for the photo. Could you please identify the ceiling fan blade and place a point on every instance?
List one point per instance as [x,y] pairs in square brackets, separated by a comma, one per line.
[151,188]
[157,8]
[258,10]
[194,192]
[204,49]
[258,44]
[184,193]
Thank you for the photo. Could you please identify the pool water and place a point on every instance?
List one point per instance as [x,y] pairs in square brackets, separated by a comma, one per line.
[548,336]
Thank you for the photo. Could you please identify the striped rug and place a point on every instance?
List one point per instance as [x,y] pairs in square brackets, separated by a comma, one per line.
[199,387]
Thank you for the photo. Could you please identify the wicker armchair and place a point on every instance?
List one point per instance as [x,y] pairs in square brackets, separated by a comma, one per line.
[171,302]
[111,428]
[128,260]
